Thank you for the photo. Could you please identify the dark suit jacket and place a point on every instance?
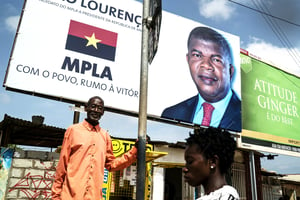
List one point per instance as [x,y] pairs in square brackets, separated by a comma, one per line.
[185,111]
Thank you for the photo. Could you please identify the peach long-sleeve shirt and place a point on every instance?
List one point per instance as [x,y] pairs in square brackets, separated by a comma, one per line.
[86,150]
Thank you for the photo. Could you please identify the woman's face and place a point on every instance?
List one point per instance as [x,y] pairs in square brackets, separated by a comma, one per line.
[197,168]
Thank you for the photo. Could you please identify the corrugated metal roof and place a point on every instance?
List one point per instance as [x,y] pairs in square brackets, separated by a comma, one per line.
[291,177]
[22,132]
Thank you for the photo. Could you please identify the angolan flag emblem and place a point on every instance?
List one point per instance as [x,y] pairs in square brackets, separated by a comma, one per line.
[92,40]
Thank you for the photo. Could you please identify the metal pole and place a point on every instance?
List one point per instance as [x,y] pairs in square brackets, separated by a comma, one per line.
[142,123]
[252,176]
[76,115]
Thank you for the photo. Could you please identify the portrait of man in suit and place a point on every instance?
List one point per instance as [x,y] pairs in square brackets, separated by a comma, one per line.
[211,67]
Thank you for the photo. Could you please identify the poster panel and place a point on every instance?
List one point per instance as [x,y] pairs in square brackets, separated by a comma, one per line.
[129,174]
[78,49]
[90,48]
[5,167]
[270,108]
[170,79]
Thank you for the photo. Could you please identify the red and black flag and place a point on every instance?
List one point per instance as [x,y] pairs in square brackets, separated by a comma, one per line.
[91,40]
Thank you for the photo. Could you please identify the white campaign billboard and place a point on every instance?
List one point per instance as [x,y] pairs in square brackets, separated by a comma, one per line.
[42,63]
[76,49]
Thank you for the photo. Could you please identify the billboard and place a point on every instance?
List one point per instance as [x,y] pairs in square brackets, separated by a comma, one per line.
[271,107]
[90,48]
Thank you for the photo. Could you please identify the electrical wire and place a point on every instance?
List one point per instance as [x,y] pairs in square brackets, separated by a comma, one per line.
[278,31]
[285,20]
[269,18]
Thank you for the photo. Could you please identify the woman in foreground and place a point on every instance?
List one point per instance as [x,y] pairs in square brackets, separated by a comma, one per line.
[209,155]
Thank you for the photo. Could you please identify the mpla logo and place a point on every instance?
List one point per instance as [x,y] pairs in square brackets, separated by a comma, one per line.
[92,41]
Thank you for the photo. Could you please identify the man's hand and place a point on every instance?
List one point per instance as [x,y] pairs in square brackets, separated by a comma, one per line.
[137,141]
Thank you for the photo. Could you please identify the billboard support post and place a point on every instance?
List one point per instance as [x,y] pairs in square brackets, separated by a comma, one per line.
[252,176]
[142,122]
[76,115]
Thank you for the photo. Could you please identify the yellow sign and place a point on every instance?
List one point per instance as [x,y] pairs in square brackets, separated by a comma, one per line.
[119,148]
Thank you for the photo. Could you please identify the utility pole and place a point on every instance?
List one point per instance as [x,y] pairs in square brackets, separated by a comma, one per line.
[150,34]
[142,122]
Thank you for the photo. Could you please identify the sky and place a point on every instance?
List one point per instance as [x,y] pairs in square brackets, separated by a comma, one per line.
[267,28]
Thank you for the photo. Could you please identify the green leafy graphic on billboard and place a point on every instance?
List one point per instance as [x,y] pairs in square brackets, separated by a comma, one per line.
[246,63]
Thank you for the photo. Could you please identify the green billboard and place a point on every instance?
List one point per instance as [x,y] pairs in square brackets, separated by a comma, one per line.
[270,106]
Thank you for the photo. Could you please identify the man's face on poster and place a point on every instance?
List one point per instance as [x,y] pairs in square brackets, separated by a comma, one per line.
[210,69]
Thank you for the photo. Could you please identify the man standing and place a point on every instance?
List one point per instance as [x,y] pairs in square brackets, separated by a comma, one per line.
[86,151]
[211,67]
